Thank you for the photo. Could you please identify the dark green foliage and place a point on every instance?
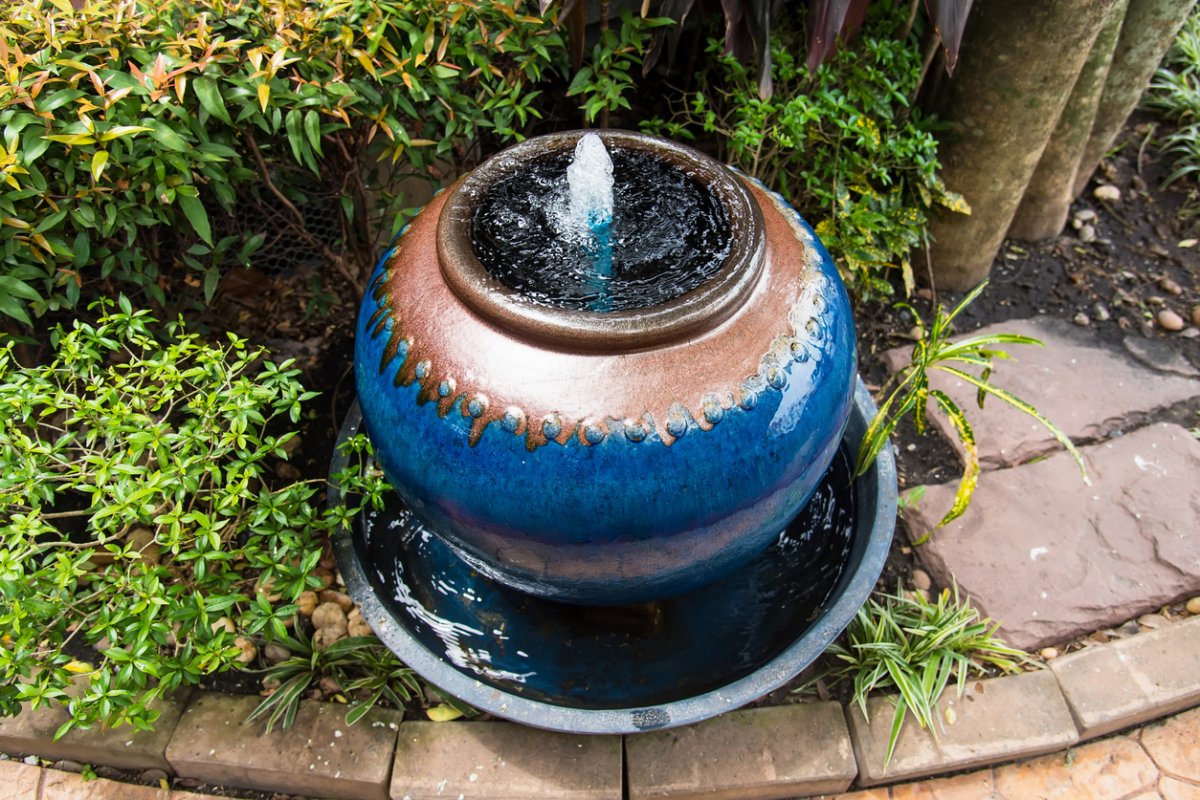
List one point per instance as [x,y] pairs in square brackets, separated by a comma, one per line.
[140,514]
[843,146]
[131,129]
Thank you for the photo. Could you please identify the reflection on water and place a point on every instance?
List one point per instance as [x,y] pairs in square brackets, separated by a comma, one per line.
[585,657]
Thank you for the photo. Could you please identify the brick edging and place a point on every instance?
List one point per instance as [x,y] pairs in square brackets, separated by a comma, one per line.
[1081,696]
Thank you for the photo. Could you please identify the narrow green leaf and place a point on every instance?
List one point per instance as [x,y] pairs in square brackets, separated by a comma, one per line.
[193,209]
[312,129]
[99,159]
[210,98]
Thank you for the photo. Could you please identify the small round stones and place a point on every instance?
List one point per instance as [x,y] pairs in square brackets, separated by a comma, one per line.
[422,370]
[776,377]
[593,434]
[635,430]
[446,387]
[552,426]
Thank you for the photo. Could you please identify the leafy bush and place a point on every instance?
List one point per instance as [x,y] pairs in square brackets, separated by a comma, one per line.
[140,515]
[843,145]
[914,646]
[1175,91]
[607,79]
[132,130]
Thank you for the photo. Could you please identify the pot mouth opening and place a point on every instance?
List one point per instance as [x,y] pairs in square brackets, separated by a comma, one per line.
[679,252]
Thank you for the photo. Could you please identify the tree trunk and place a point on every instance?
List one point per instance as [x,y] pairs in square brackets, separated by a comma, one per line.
[1047,200]
[1020,60]
[1146,34]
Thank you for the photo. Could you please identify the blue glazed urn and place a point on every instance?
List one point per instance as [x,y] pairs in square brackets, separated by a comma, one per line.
[621,449]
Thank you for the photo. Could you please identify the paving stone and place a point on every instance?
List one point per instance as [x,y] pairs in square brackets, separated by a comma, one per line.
[754,754]
[1129,681]
[1175,744]
[1172,789]
[865,794]
[33,732]
[995,720]
[1106,770]
[972,786]
[180,795]
[60,785]
[1053,558]
[503,761]
[320,755]
[1084,389]
[19,781]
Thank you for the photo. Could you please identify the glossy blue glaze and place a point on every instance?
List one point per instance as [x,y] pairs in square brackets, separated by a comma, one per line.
[616,515]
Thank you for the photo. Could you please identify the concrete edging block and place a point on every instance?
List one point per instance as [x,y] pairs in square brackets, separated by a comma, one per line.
[1134,680]
[320,755]
[503,761]
[33,732]
[995,720]
[755,754]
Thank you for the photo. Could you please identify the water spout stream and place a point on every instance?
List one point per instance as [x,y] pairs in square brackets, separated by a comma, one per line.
[590,208]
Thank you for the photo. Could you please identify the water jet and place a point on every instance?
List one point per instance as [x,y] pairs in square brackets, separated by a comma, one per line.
[613,383]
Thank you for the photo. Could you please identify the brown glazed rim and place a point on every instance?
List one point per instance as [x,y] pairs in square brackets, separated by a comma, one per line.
[698,310]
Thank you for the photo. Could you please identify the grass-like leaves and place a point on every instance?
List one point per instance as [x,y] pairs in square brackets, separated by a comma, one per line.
[915,646]
[909,392]
[362,666]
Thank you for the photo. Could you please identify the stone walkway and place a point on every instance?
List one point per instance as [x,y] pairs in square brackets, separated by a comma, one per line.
[1050,555]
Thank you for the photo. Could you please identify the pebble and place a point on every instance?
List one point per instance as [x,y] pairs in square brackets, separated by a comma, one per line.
[357,626]
[329,615]
[1151,621]
[1190,333]
[1169,286]
[307,603]
[1193,606]
[274,653]
[1087,233]
[1101,313]
[66,765]
[951,716]
[31,760]
[1085,215]
[1082,320]
[334,596]
[921,580]
[1196,315]
[1168,320]
[1107,193]
[249,651]
[1048,654]
[154,776]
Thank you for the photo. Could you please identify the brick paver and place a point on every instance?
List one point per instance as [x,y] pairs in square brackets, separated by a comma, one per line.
[1003,718]
[33,732]
[19,781]
[756,753]
[60,785]
[1174,745]
[1129,681]
[1107,770]
[320,755]
[972,786]
[503,761]
[1172,789]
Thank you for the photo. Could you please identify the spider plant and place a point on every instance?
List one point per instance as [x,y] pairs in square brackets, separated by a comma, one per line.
[915,646]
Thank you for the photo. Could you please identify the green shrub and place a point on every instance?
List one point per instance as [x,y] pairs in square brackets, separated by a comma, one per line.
[1175,91]
[140,515]
[844,145]
[131,130]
